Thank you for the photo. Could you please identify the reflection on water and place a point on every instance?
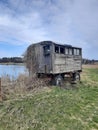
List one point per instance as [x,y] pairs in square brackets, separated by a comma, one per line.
[12,70]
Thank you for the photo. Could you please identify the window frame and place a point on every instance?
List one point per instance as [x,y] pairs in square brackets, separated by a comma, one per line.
[62,50]
[66,50]
[77,51]
[46,50]
[70,50]
[57,49]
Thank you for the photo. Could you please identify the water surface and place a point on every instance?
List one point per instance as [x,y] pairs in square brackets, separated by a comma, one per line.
[12,70]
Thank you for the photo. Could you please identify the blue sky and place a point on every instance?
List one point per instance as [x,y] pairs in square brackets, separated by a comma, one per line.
[23,22]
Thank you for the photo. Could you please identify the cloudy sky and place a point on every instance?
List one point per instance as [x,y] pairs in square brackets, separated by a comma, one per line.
[23,22]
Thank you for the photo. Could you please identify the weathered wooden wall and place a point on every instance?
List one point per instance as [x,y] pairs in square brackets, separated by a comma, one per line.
[66,63]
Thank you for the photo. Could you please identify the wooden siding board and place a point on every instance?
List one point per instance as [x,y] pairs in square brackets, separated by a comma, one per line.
[66,63]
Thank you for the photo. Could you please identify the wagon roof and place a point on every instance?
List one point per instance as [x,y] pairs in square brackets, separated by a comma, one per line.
[55,43]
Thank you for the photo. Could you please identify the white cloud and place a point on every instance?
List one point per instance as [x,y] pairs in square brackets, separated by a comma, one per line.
[64,21]
[85,18]
[27,28]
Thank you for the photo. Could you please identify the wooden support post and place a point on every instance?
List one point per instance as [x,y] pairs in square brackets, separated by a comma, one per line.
[0,91]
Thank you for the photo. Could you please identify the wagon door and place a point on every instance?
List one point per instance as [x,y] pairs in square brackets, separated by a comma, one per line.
[47,58]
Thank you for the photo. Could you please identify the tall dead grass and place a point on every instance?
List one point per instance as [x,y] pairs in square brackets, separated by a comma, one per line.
[22,86]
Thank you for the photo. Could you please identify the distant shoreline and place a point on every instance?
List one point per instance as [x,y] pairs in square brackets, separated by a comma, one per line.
[12,63]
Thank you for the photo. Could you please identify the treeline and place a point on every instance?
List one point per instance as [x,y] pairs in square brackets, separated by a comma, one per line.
[11,59]
[87,61]
[21,60]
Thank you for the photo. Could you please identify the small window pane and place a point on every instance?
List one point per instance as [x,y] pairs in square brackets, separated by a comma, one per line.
[70,51]
[57,49]
[46,50]
[66,51]
[62,50]
[79,51]
[75,52]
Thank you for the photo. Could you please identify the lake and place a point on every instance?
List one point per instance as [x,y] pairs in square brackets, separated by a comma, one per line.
[12,70]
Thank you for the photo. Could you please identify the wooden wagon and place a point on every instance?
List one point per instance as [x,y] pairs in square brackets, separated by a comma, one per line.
[54,60]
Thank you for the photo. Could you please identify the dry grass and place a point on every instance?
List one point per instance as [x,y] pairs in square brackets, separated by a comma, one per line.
[23,85]
[90,66]
[88,75]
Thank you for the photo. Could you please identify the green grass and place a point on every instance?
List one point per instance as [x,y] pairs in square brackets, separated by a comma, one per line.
[57,109]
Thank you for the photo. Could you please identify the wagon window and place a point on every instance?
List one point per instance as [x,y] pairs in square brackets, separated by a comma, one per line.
[77,52]
[46,50]
[62,50]
[66,51]
[57,49]
[70,51]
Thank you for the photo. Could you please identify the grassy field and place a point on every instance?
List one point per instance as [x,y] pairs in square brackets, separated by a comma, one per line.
[55,108]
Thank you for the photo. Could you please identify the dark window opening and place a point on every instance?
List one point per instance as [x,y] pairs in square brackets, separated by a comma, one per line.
[62,50]
[57,49]
[46,50]
[79,51]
